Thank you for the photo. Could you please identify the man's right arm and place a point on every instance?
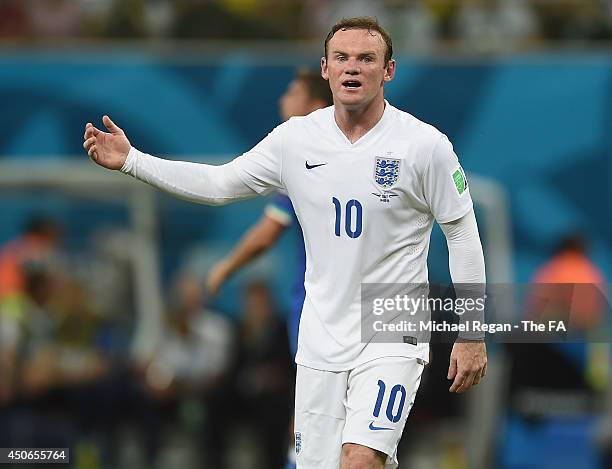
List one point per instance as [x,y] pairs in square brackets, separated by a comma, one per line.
[195,182]
[248,175]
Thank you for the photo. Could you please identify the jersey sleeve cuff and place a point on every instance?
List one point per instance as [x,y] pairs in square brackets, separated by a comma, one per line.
[130,161]
[278,215]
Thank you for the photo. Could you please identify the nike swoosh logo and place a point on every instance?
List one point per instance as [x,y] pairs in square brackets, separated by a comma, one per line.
[310,166]
[372,427]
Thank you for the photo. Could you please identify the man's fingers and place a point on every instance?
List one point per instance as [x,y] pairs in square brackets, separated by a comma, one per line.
[90,131]
[459,379]
[92,152]
[472,378]
[89,142]
[467,382]
[464,383]
[452,368]
[111,126]
[480,374]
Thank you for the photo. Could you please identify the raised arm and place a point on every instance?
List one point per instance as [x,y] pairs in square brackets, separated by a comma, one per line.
[242,178]
[195,182]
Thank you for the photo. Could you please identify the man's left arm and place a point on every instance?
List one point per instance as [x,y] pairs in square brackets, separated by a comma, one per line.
[468,361]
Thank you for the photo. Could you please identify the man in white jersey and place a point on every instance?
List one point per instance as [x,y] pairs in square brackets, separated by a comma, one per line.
[367,182]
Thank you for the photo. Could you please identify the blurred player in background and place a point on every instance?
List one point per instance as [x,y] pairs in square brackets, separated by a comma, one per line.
[352,396]
[306,93]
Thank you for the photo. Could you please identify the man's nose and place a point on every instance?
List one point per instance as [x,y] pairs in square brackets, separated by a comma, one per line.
[352,67]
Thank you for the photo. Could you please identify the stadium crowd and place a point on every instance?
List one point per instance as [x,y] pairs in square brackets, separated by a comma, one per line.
[68,378]
[424,25]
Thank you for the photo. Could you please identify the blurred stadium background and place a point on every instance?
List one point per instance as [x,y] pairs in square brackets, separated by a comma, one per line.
[108,344]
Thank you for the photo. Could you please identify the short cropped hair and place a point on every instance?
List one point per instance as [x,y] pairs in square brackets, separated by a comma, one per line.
[368,23]
[317,86]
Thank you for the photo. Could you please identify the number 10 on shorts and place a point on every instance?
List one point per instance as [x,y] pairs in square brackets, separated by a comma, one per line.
[393,416]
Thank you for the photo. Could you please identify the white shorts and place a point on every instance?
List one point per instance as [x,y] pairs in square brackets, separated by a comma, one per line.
[368,406]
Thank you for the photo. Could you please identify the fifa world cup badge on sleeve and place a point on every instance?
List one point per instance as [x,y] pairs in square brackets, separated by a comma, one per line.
[386,174]
[460,180]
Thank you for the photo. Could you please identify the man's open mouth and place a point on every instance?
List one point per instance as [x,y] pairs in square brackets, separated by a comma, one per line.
[352,84]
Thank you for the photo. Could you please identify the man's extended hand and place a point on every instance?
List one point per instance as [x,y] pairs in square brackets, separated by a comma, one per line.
[468,365]
[108,149]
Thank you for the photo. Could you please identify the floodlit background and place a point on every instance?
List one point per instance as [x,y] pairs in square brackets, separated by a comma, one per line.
[108,343]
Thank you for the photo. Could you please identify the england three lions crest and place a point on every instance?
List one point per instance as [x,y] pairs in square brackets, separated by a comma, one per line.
[386,171]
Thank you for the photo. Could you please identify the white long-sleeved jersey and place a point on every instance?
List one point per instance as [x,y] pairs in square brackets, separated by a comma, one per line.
[366,210]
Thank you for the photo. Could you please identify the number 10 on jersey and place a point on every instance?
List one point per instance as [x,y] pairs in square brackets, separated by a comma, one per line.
[353,216]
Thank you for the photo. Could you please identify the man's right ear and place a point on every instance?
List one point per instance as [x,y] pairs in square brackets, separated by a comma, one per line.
[324,73]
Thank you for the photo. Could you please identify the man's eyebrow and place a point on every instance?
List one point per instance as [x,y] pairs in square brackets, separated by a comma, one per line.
[361,54]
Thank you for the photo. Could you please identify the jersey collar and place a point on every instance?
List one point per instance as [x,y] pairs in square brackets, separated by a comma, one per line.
[370,134]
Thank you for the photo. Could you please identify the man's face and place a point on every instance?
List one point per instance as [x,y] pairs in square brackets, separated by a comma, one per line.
[355,67]
[296,101]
